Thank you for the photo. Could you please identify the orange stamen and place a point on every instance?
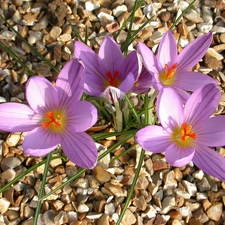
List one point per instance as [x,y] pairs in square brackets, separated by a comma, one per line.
[53,120]
[170,71]
[113,79]
[186,132]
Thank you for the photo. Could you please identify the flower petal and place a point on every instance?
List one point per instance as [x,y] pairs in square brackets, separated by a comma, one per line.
[131,65]
[41,94]
[112,94]
[182,94]
[193,52]
[70,83]
[153,138]
[81,116]
[210,161]
[178,156]
[40,142]
[88,57]
[212,132]
[169,108]
[202,104]
[167,51]
[80,149]
[128,83]
[148,57]
[110,55]
[16,117]
[192,80]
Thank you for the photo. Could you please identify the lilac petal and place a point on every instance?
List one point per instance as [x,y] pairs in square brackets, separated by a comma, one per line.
[131,65]
[39,142]
[179,156]
[81,116]
[167,52]
[193,52]
[202,104]
[110,55]
[212,132]
[93,85]
[192,80]
[210,162]
[88,57]
[80,149]
[148,57]
[169,108]
[143,83]
[182,94]
[128,83]
[70,83]
[153,138]
[16,117]
[41,94]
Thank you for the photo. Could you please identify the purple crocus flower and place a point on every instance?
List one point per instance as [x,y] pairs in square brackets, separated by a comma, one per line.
[55,115]
[108,73]
[171,70]
[187,132]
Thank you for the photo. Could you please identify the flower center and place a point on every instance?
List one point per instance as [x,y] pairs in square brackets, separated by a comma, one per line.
[167,76]
[54,120]
[113,79]
[184,135]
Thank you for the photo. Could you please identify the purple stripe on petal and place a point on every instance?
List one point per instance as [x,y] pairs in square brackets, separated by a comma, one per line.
[167,52]
[202,104]
[39,142]
[179,156]
[41,94]
[153,139]
[169,108]
[193,52]
[148,58]
[80,149]
[210,162]
[192,80]
[16,117]
[88,57]
[110,55]
[81,116]
[128,83]
[211,132]
[70,83]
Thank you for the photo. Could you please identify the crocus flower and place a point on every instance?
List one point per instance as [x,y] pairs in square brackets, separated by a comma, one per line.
[55,115]
[187,132]
[172,70]
[108,73]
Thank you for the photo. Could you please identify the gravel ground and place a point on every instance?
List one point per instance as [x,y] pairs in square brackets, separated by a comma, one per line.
[163,194]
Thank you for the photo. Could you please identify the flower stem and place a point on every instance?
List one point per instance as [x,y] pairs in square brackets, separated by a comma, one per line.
[119,117]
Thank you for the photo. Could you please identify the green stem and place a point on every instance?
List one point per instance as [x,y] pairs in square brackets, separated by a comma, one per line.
[44,178]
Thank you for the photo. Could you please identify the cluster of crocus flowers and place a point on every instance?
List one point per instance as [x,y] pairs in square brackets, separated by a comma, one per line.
[55,115]
[187,132]
[170,69]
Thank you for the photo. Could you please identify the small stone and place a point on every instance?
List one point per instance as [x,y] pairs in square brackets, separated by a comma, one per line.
[165,17]
[191,188]
[82,208]
[104,219]
[193,16]
[215,211]
[101,175]
[203,185]
[4,205]
[128,218]
[116,190]
[13,139]
[55,32]
[109,208]
[167,203]
[10,162]
[105,18]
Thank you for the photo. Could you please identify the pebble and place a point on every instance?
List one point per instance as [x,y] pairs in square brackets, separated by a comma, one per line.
[4,205]
[128,218]
[215,211]
[101,175]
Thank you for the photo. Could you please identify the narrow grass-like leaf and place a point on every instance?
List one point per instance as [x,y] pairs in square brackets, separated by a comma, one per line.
[179,18]
[23,174]
[41,193]
[80,172]
[77,34]
[14,56]
[30,46]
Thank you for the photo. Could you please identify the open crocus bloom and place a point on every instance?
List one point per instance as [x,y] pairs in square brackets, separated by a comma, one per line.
[187,132]
[171,70]
[55,115]
[108,73]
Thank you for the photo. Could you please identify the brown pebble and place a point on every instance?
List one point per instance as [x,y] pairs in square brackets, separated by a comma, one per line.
[165,16]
